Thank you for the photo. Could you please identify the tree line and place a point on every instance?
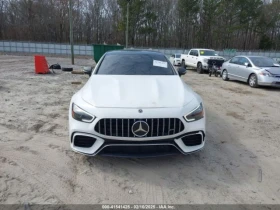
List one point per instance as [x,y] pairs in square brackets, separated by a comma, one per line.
[219,24]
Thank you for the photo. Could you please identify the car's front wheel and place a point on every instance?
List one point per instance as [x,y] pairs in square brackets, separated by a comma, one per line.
[253,81]
[225,75]
[199,68]
[183,64]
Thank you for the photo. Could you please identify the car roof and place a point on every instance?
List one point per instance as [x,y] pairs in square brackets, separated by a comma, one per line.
[137,52]
[251,56]
[256,56]
[201,49]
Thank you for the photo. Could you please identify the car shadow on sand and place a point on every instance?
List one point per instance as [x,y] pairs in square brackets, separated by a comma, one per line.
[224,161]
[265,88]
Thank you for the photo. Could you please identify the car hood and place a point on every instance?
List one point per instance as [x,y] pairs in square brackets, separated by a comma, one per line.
[272,70]
[125,91]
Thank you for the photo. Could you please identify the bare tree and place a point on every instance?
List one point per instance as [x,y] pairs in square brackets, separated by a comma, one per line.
[219,24]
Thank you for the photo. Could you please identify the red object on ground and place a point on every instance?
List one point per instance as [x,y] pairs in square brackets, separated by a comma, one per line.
[41,65]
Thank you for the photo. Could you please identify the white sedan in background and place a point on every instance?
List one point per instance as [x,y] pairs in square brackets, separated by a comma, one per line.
[175,59]
[135,104]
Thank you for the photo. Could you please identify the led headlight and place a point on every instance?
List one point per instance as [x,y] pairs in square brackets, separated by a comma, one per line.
[81,115]
[205,60]
[196,114]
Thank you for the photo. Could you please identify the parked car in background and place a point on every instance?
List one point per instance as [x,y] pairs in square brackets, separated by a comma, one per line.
[136,104]
[254,70]
[199,58]
[175,59]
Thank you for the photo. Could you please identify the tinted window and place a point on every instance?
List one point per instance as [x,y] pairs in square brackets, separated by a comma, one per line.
[207,53]
[178,56]
[235,60]
[262,61]
[135,64]
[242,61]
[194,52]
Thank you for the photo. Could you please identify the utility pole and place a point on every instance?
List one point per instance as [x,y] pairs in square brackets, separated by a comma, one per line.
[127,18]
[71,30]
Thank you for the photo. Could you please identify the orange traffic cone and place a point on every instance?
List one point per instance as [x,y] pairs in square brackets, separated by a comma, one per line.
[41,65]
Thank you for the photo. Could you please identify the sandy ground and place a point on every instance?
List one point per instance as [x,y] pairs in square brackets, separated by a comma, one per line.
[240,162]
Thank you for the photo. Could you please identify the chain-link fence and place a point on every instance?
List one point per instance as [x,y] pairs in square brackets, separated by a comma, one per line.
[44,48]
[64,49]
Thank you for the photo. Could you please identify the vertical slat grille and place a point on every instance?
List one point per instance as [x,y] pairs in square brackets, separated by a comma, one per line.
[122,127]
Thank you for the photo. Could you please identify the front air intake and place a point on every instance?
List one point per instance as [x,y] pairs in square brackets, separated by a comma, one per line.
[139,151]
[192,140]
[84,141]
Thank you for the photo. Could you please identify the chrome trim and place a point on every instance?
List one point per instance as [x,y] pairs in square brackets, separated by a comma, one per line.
[152,130]
[128,127]
[163,127]
[140,128]
[122,127]
[107,127]
[157,126]
[111,126]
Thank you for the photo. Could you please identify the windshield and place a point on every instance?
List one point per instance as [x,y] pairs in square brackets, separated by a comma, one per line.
[178,56]
[207,53]
[262,61]
[135,64]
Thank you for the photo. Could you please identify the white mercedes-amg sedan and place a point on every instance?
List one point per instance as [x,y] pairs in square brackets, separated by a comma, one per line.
[136,105]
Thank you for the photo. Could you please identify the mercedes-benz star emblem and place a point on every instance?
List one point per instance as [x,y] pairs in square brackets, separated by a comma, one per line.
[140,110]
[140,128]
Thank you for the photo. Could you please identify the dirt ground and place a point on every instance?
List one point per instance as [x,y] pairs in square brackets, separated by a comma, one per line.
[240,162]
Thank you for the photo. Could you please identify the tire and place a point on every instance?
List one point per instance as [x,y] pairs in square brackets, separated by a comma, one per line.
[67,69]
[183,64]
[199,68]
[210,73]
[55,66]
[253,81]
[225,75]
[216,73]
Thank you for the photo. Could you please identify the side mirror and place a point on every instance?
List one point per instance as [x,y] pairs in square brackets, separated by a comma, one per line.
[87,70]
[182,71]
[247,64]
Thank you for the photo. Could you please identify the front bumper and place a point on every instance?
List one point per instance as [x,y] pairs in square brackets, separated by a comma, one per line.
[183,144]
[166,143]
[269,81]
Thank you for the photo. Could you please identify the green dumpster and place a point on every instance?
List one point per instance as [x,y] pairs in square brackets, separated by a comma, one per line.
[100,49]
